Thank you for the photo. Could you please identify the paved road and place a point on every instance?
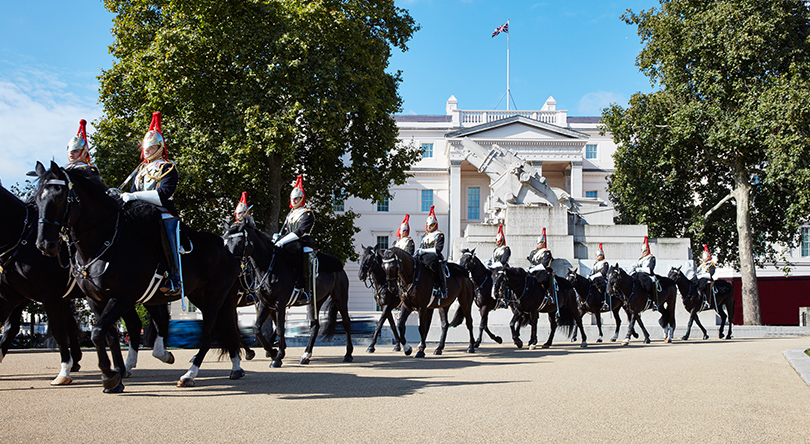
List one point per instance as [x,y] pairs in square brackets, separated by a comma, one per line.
[743,390]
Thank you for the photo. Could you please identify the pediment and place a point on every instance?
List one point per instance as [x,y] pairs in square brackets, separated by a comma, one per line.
[519,128]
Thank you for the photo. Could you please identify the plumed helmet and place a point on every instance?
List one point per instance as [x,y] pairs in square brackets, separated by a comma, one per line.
[242,207]
[601,252]
[706,255]
[542,239]
[298,190]
[154,137]
[499,238]
[79,142]
[404,228]
[431,223]
[645,247]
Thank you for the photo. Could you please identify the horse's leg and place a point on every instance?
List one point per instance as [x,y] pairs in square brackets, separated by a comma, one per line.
[730,309]
[630,326]
[484,312]
[696,311]
[722,315]
[671,305]
[643,329]
[599,325]
[618,320]
[514,325]
[491,335]
[574,336]
[403,317]
[314,328]
[534,317]
[578,318]
[208,321]
[133,324]
[692,317]
[425,317]
[394,330]
[160,321]
[10,328]
[102,331]
[343,309]
[386,310]
[281,313]
[59,316]
[444,325]
[552,320]
[262,315]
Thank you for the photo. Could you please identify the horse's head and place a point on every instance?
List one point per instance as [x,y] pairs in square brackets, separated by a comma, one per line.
[369,259]
[237,240]
[390,265]
[468,259]
[675,273]
[613,281]
[55,197]
[571,276]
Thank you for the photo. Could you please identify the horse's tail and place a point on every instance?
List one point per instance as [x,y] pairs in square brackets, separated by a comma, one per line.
[330,326]
[566,320]
[458,318]
[226,328]
[524,320]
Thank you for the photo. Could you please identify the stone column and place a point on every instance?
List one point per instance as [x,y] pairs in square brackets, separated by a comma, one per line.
[576,178]
[455,206]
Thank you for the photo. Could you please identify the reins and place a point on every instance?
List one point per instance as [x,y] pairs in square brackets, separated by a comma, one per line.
[21,241]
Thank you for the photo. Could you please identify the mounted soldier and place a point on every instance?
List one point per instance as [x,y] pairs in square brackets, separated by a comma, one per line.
[644,271]
[242,210]
[404,241]
[430,254]
[79,150]
[705,275]
[155,181]
[501,254]
[600,267]
[541,256]
[294,237]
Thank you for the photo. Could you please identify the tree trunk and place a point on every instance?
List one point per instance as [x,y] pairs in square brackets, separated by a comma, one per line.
[275,186]
[748,272]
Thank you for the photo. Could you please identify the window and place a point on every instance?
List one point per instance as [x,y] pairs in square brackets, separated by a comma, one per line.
[473,203]
[427,150]
[338,198]
[590,151]
[382,205]
[382,242]
[427,200]
[590,194]
[805,242]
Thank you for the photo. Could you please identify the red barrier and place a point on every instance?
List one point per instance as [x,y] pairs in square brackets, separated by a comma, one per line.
[779,299]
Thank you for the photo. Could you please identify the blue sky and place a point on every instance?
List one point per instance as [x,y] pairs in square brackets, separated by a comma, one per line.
[577,51]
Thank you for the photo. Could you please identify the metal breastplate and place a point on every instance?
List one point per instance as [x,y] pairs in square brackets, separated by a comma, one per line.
[294,219]
[404,243]
[149,176]
[498,254]
[430,239]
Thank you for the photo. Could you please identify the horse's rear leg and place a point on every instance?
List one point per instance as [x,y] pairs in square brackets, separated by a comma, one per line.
[730,318]
[11,328]
[386,310]
[514,325]
[643,329]
[425,317]
[160,321]
[630,327]
[578,319]
[262,315]
[187,380]
[281,313]
[398,338]
[552,320]
[314,328]
[484,312]
[722,315]
[444,325]
[60,326]
[103,332]
[599,325]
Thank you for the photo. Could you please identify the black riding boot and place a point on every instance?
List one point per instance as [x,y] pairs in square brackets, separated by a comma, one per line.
[171,286]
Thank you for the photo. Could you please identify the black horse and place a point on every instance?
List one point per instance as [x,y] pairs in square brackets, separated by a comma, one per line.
[593,298]
[482,278]
[26,275]
[722,294]
[557,298]
[117,258]
[277,270]
[415,283]
[637,300]
[372,274]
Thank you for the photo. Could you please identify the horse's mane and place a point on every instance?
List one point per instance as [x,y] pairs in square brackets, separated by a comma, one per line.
[92,184]
[11,198]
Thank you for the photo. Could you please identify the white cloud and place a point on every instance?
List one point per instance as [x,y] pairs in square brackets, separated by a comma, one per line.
[39,114]
[592,103]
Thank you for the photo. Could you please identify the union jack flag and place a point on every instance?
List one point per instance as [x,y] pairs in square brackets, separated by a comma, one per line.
[500,29]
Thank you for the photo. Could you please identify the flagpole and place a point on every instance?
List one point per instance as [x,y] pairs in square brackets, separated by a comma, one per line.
[508,93]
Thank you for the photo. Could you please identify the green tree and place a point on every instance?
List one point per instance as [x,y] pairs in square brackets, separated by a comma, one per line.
[729,124]
[254,92]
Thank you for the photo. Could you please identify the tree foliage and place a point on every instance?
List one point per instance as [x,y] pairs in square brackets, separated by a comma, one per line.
[721,151]
[254,92]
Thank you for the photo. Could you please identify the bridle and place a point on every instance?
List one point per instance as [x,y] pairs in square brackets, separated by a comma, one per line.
[64,227]
[367,269]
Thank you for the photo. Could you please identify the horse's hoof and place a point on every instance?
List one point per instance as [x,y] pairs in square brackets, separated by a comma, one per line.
[532,346]
[275,364]
[470,349]
[545,346]
[419,354]
[519,343]
[117,389]
[646,340]
[498,340]
[250,354]
[667,340]
[127,374]
[599,340]
[111,382]
[613,339]
[705,337]
[583,345]
[574,339]
[721,337]
[728,337]
[170,361]
[438,351]
[348,359]
[397,348]
[185,382]
[237,374]
[303,361]
[408,349]
[686,338]
[370,349]
[62,380]
[635,335]
[273,354]
[626,342]
[477,344]
[76,367]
